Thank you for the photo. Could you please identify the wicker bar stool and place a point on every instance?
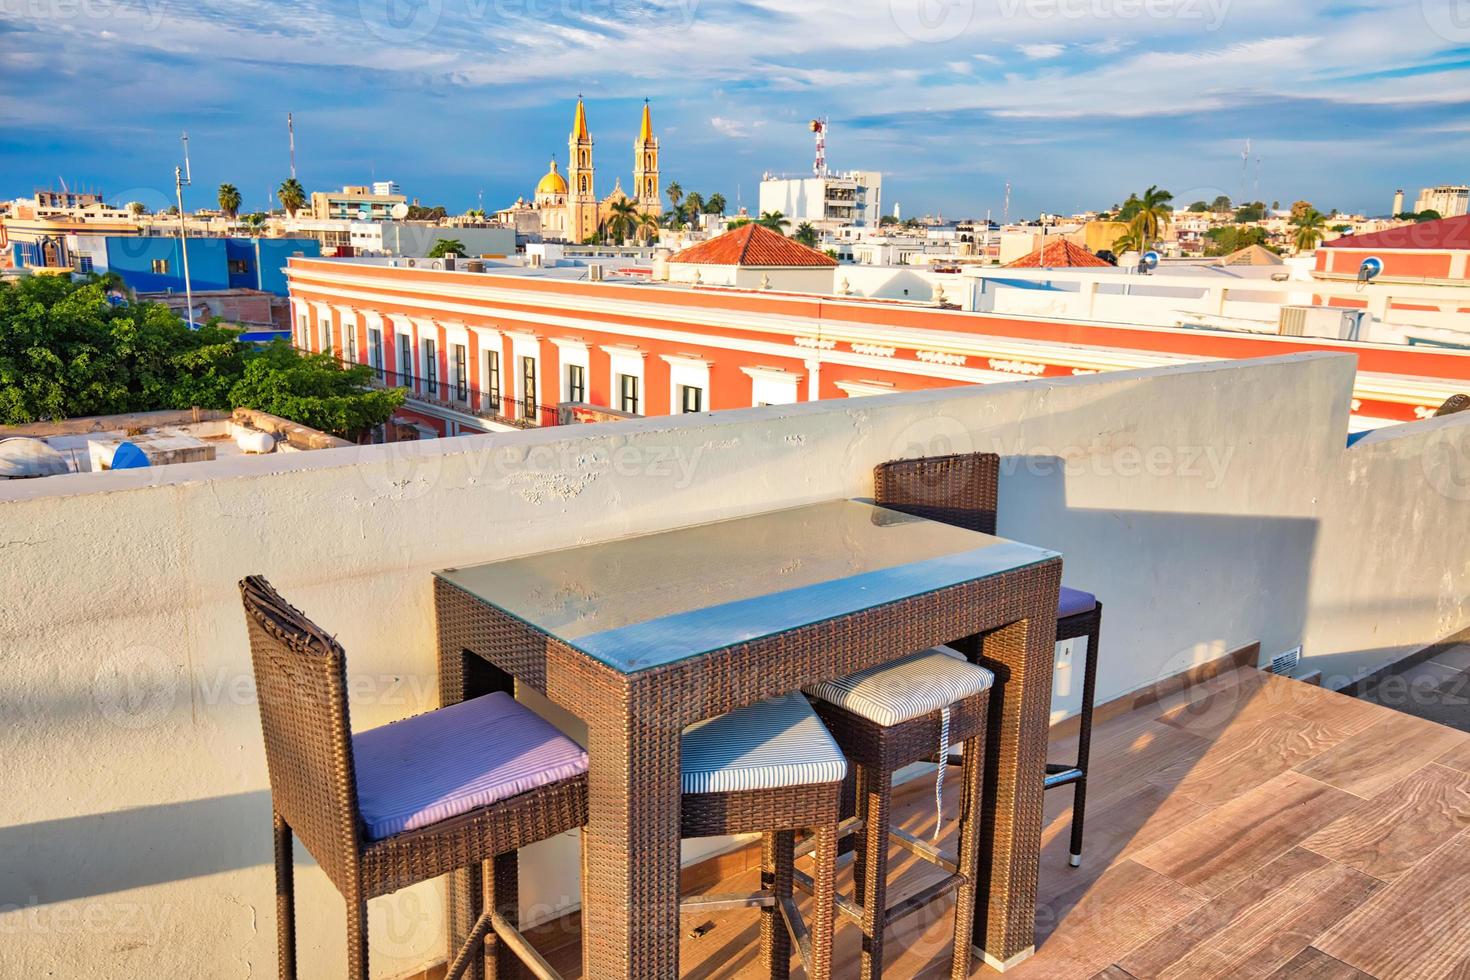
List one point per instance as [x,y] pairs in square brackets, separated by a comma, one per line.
[770,768]
[387,808]
[886,718]
[963,490]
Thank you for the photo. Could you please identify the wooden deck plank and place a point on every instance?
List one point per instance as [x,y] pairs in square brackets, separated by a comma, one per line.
[1380,756]
[1313,964]
[1457,757]
[1088,929]
[1401,826]
[1222,849]
[1415,927]
[1244,757]
[1255,928]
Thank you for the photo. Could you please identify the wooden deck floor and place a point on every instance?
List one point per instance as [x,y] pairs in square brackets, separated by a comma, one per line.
[1250,827]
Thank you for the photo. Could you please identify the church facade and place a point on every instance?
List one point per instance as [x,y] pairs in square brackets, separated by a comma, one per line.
[566,206]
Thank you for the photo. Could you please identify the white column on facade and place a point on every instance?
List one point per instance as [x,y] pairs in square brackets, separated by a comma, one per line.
[524,344]
[813,379]
[626,360]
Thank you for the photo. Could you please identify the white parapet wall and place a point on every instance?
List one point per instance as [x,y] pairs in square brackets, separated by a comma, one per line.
[1209,505]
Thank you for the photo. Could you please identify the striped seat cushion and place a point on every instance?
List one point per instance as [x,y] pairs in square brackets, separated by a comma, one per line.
[434,766]
[908,688]
[769,745]
[1074,601]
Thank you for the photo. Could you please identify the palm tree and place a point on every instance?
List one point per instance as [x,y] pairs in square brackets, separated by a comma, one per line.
[1310,228]
[1131,240]
[694,203]
[715,204]
[675,192]
[676,217]
[1150,213]
[446,246]
[623,219]
[136,209]
[229,200]
[774,220]
[647,225]
[736,223]
[806,234]
[291,195]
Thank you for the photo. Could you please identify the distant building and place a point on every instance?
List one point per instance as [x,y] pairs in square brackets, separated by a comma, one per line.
[355,202]
[1450,201]
[155,264]
[1398,203]
[754,257]
[386,188]
[852,198]
[1429,251]
[65,200]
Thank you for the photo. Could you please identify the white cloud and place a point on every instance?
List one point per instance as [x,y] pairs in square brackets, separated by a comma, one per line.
[735,129]
[1041,51]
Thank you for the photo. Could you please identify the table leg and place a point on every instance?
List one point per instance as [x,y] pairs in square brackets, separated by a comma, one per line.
[1021,655]
[464,675]
[630,865]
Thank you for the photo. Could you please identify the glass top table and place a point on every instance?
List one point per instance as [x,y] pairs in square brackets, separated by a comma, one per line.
[655,599]
[645,635]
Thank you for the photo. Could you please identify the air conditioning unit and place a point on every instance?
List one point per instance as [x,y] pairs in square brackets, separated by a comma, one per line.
[412,263]
[449,261]
[535,260]
[594,273]
[1323,321]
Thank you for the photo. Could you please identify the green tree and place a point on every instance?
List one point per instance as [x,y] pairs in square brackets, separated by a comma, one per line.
[694,203]
[715,204]
[1229,239]
[622,220]
[734,223]
[315,390]
[291,195]
[1310,227]
[229,200]
[67,350]
[1429,214]
[675,193]
[676,217]
[806,234]
[1130,241]
[446,246]
[1247,213]
[886,220]
[1222,203]
[774,220]
[136,209]
[418,212]
[1199,207]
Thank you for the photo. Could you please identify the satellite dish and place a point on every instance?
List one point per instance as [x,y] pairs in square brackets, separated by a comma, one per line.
[399,211]
[129,457]
[364,214]
[1148,261]
[1371,269]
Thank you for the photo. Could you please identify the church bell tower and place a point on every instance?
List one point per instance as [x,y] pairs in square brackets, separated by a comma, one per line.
[645,167]
[582,196]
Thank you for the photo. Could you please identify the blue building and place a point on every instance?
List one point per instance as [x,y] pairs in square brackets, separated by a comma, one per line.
[154,264]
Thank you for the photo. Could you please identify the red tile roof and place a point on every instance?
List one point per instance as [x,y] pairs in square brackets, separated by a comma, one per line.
[1444,234]
[753,245]
[1059,254]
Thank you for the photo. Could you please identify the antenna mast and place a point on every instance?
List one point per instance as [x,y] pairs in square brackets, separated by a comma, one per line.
[291,138]
[182,179]
[1005,214]
[819,131]
[1245,169]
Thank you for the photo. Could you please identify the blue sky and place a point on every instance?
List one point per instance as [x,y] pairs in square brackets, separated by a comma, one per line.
[1073,102]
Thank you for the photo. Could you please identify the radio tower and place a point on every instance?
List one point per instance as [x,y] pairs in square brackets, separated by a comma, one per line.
[819,130]
[291,136]
[1005,214]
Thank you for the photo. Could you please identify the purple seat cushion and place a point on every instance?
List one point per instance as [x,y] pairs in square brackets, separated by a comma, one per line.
[434,766]
[1074,602]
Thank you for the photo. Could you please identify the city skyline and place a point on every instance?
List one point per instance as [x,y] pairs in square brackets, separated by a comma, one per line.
[1075,103]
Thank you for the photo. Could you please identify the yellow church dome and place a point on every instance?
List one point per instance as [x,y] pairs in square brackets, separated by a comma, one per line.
[552,183]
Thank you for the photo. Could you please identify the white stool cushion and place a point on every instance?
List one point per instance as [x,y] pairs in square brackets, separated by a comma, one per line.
[769,745]
[908,688]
